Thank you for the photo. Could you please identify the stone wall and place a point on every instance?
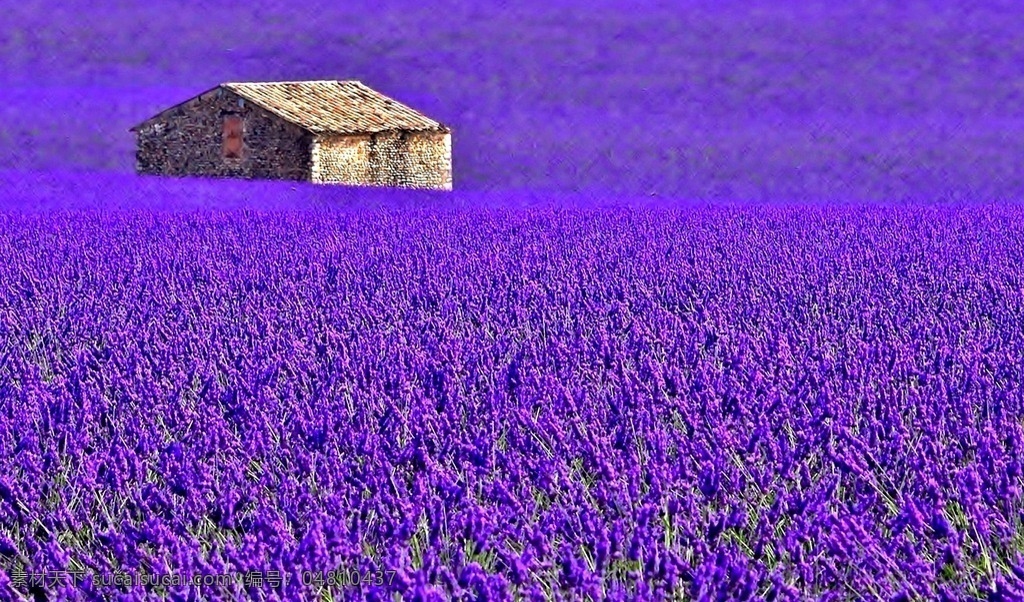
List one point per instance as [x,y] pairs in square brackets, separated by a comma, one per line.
[392,158]
[342,159]
[188,140]
[427,160]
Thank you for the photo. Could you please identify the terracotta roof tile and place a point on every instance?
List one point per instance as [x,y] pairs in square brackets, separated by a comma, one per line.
[342,107]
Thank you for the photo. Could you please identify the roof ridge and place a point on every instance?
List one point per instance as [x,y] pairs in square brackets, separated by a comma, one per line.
[294,81]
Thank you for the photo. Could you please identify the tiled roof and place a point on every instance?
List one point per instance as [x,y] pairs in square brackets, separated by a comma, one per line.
[342,107]
[328,106]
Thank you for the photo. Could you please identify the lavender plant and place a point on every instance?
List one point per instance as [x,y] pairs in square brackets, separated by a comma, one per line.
[747,403]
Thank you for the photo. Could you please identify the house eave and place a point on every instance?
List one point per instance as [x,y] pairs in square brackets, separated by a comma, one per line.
[370,132]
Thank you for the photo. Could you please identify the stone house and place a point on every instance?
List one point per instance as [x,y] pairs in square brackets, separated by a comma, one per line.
[319,131]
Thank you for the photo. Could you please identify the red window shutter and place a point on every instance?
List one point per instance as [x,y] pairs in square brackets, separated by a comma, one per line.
[233,137]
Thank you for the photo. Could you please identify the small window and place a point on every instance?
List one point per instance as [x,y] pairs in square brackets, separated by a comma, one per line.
[233,136]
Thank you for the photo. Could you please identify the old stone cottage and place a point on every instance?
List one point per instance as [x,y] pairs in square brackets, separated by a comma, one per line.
[319,131]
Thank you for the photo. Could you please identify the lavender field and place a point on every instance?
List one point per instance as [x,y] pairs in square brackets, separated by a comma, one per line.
[727,305]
